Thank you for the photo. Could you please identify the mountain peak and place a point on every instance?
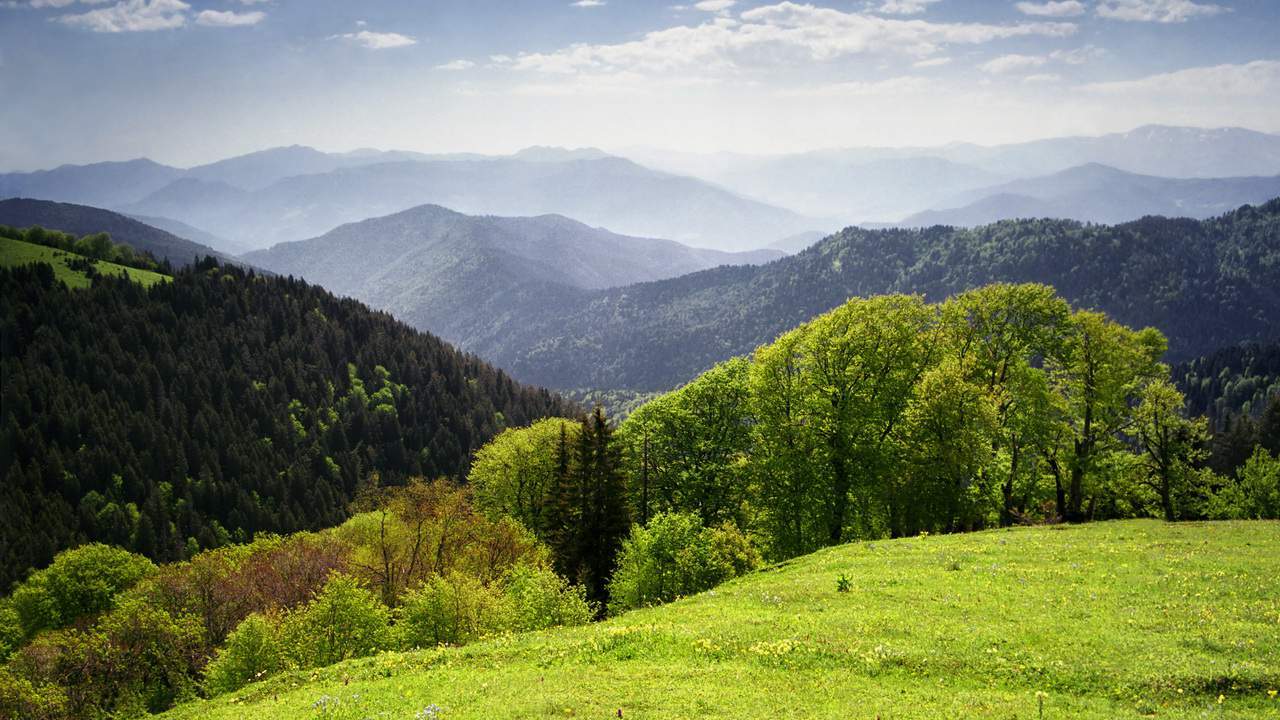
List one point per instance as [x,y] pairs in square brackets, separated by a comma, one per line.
[547,153]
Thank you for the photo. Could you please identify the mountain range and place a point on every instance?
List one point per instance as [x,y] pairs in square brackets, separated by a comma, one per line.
[1099,193]
[886,184]
[293,193]
[455,273]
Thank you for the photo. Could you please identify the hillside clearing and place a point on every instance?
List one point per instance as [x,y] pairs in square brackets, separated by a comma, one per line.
[1120,619]
[16,252]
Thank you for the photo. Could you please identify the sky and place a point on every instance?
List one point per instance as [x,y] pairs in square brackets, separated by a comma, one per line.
[192,81]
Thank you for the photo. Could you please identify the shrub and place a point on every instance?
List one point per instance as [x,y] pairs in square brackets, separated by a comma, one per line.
[1259,481]
[11,634]
[154,656]
[538,598]
[20,698]
[675,556]
[344,621]
[251,653]
[80,582]
[449,610]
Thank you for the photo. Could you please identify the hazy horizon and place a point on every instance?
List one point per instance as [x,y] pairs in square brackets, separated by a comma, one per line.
[186,83]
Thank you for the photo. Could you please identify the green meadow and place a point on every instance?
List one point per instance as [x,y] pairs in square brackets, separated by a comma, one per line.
[1122,619]
[16,252]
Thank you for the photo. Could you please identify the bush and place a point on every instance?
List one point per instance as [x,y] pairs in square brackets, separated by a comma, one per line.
[11,634]
[20,698]
[252,652]
[538,598]
[1259,481]
[449,610]
[675,556]
[80,582]
[344,621]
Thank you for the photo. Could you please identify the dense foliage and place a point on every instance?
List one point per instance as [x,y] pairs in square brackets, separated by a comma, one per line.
[139,638]
[193,413]
[1204,284]
[890,417]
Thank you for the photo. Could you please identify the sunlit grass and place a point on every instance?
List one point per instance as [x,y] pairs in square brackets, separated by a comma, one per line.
[16,252]
[1123,619]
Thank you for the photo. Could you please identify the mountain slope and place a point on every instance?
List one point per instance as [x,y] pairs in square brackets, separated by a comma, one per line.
[219,405]
[190,232]
[1098,193]
[1097,621]
[1205,284]
[452,273]
[608,192]
[83,220]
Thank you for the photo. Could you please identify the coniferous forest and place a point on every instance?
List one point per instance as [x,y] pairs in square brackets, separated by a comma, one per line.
[220,405]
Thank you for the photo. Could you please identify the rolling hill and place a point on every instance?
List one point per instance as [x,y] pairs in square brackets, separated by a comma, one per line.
[1204,283]
[83,220]
[1098,193]
[1098,621]
[453,274]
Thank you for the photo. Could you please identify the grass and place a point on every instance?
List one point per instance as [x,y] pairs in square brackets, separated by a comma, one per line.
[17,252]
[1109,620]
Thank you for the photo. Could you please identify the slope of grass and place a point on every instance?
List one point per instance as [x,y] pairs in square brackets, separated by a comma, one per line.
[16,252]
[1114,620]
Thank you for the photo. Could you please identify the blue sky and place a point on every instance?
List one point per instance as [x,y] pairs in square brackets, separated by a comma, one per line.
[189,81]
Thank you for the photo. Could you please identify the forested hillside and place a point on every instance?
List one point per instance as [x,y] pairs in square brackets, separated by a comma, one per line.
[1205,284]
[450,273]
[85,220]
[218,405]
[1236,380]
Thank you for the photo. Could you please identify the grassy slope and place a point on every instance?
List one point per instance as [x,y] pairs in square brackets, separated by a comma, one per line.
[16,252]
[1110,620]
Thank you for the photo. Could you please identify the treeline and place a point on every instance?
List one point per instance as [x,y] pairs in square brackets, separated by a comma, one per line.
[95,246]
[188,415]
[1205,284]
[891,416]
[103,633]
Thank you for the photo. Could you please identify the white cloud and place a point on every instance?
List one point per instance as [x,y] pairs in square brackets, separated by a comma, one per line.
[1163,11]
[456,65]
[218,18]
[903,85]
[587,3]
[1012,63]
[905,7]
[377,40]
[131,16]
[1052,8]
[932,62]
[1260,79]
[773,36]
[1080,55]
[714,6]
[1042,78]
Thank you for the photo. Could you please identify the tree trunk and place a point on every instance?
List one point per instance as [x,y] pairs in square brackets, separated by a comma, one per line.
[839,500]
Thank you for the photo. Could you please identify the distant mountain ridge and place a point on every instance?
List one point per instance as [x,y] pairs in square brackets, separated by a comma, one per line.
[887,184]
[1100,193]
[453,273]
